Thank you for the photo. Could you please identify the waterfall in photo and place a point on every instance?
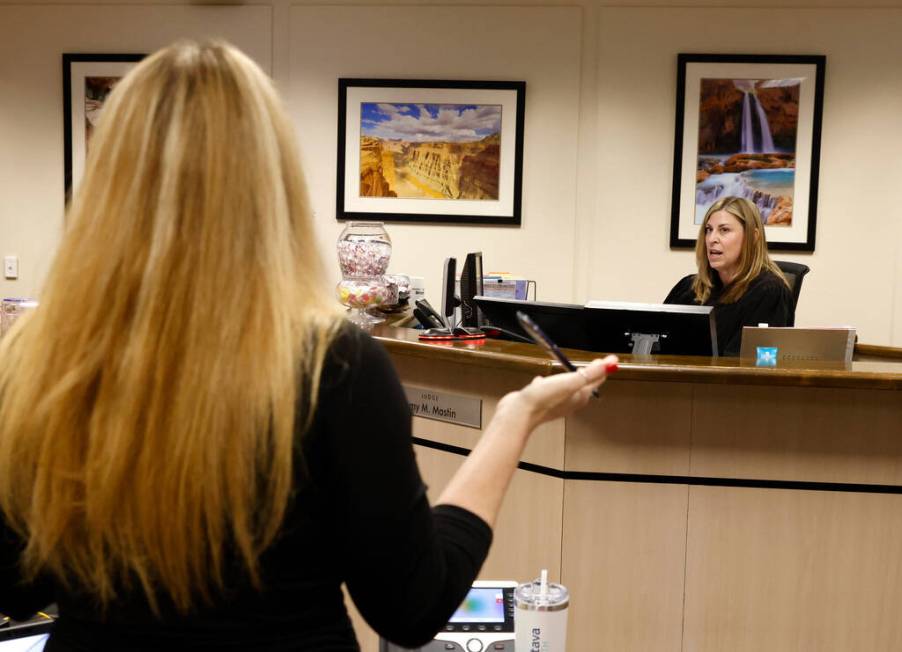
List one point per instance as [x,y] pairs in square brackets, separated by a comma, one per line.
[764,188]
[748,132]
[747,135]
[767,141]
[741,152]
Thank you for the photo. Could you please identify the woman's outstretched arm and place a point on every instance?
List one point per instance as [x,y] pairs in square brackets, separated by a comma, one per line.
[481,482]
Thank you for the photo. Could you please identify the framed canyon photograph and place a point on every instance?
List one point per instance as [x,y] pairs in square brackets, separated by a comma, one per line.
[87,81]
[414,150]
[749,126]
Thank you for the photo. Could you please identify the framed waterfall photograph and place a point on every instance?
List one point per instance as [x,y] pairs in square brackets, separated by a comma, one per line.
[413,150]
[749,126]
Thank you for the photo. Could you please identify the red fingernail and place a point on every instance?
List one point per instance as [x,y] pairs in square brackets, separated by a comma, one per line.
[611,368]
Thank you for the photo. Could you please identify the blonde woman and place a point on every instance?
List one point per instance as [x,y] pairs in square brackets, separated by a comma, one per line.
[735,274]
[195,453]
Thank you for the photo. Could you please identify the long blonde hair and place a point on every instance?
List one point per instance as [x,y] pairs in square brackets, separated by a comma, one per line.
[148,406]
[753,259]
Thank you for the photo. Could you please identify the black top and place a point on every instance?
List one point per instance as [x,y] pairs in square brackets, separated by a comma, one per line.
[766,300]
[359,516]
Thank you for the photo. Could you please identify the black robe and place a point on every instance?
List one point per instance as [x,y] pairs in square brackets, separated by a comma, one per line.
[767,300]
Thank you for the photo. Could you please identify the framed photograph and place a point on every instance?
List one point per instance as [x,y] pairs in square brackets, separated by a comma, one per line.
[412,150]
[87,80]
[748,125]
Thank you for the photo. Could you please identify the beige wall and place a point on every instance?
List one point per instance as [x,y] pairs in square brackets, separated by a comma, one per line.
[32,39]
[599,128]
[540,45]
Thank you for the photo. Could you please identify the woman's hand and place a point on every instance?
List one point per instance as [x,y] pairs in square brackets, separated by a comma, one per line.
[551,397]
[480,483]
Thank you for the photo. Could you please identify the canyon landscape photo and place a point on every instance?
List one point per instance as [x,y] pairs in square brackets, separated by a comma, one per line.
[430,151]
[747,144]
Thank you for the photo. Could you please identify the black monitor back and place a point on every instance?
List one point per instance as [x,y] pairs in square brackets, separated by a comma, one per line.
[608,327]
[449,298]
[681,330]
[564,323]
[471,286]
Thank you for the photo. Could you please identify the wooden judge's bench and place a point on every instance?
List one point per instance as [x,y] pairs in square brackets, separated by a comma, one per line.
[699,505]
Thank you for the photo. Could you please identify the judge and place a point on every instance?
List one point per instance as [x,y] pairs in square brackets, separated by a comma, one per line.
[735,274]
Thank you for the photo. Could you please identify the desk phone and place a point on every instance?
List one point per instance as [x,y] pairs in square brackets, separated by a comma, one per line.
[484,622]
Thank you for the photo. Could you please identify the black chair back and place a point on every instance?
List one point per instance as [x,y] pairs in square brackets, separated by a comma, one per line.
[794,273]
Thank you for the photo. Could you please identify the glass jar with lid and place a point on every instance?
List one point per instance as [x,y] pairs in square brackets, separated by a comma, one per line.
[364,251]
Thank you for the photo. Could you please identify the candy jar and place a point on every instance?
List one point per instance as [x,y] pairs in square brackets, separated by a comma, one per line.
[364,250]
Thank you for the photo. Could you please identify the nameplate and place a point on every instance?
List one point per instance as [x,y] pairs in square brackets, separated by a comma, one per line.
[442,406]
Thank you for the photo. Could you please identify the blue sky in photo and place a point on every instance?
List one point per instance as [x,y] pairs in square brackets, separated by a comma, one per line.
[429,122]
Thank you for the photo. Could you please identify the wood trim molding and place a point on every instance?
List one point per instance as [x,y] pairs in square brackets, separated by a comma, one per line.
[881,370]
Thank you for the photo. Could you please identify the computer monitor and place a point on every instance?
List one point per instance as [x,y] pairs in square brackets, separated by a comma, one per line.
[611,326]
[471,286]
[563,322]
[646,328]
[449,297]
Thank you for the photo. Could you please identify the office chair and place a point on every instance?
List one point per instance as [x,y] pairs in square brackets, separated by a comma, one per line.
[794,273]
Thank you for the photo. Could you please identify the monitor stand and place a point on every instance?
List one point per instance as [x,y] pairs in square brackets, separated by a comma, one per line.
[644,343]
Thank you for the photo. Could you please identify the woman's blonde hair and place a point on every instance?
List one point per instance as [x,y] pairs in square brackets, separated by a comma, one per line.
[148,406]
[753,259]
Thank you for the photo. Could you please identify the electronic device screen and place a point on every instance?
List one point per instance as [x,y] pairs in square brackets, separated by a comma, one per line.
[481,606]
[24,644]
[487,609]
[484,621]
[27,644]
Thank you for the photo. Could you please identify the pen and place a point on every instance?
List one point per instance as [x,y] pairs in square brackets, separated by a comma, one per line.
[540,338]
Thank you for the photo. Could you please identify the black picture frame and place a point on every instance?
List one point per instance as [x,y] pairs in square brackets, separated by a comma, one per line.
[784,181]
[388,111]
[77,69]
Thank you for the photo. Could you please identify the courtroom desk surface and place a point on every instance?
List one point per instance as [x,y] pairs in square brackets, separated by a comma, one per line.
[673,531]
[877,368]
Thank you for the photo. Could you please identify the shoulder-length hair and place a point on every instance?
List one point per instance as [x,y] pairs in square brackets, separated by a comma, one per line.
[753,259]
[149,404]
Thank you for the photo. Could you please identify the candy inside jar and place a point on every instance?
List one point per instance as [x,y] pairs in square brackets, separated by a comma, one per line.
[363,258]
[363,294]
[360,294]
[364,250]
